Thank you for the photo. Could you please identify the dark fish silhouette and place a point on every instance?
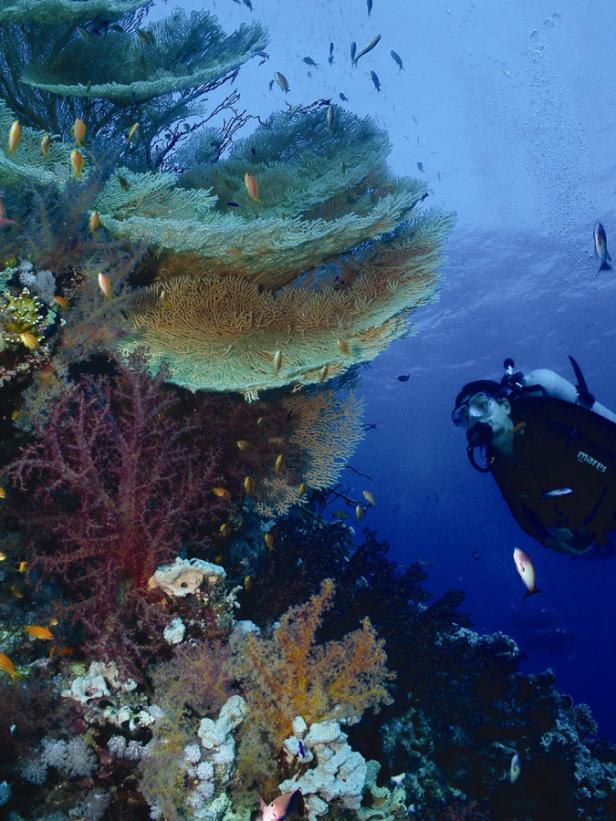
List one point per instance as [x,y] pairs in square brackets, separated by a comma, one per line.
[330,59]
[343,97]
[397,59]
[420,167]
[309,62]
[375,80]
[353,50]
[404,377]
[233,204]
[374,42]
[369,7]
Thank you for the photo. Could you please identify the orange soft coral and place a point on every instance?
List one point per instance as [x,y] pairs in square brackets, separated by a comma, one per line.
[289,675]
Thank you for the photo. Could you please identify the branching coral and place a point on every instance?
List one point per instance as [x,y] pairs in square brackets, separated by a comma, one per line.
[289,674]
[109,492]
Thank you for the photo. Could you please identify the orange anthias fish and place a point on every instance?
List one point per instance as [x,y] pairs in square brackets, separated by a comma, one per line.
[38,632]
[45,143]
[29,340]
[14,136]
[221,492]
[104,283]
[79,131]
[7,666]
[252,186]
[77,162]
[526,571]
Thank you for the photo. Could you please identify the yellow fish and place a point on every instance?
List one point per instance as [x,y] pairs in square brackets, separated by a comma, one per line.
[22,567]
[104,283]
[53,621]
[7,666]
[45,143]
[249,485]
[2,493]
[15,591]
[302,489]
[242,444]
[79,131]
[14,136]
[29,340]
[359,512]
[369,496]
[344,346]
[131,132]
[61,302]
[252,186]
[77,162]
[94,223]
[278,464]
[277,361]
[225,530]
[268,538]
[323,373]
[221,492]
[247,582]
[38,632]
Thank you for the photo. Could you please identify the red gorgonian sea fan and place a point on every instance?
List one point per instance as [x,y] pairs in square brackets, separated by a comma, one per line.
[113,487]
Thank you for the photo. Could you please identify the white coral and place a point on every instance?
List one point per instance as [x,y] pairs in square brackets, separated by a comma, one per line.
[338,775]
[185,576]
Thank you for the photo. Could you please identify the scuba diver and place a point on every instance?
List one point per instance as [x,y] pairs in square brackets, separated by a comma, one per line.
[551,448]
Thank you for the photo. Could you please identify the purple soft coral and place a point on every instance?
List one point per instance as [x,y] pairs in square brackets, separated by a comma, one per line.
[117,484]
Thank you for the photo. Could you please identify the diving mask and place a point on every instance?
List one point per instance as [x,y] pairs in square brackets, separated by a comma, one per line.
[476,408]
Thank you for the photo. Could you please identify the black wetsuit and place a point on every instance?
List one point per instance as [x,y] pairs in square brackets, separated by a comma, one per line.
[559,446]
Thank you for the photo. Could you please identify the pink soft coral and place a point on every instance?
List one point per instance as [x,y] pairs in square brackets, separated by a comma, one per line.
[111,490]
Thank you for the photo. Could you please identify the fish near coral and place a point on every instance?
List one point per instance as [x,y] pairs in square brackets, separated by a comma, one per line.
[39,632]
[330,117]
[45,143]
[369,496]
[252,186]
[7,666]
[242,444]
[359,512]
[302,488]
[14,136]
[61,302]
[131,132]
[221,492]
[79,131]
[282,81]
[277,361]
[249,485]
[278,464]
[323,373]
[343,346]
[29,340]
[77,162]
[280,807]
[2,493]
[268,539]
[94,222]
[104,283]
[225,530]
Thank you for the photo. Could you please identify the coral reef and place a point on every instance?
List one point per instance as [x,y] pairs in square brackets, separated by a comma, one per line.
[288,674]
[114,485]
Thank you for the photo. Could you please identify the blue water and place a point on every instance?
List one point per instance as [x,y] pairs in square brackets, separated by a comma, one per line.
[508,108]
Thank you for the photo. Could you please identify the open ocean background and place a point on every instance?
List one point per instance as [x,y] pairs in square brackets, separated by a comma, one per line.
[509,107]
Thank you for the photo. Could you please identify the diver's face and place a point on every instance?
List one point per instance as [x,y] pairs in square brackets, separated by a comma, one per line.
[487,420]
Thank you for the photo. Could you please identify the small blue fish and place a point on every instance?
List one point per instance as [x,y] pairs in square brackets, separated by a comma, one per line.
[353,51]
[397,59]
[343,97]
[558,491]
[301,748]
[375,80]
[309,62]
